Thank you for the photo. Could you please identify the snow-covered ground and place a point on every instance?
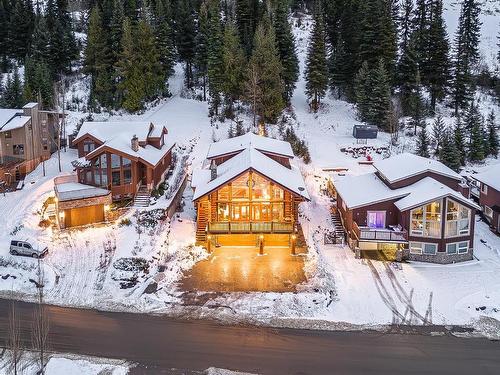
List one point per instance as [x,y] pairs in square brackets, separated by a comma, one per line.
[341,291]
[63,365]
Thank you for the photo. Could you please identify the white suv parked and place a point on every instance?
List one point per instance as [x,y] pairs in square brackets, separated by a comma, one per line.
[29,248]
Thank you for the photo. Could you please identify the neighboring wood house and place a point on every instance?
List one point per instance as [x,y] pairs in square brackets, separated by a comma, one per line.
[412,205]
[248,193]
[27,137]
[489,195]
[126,158]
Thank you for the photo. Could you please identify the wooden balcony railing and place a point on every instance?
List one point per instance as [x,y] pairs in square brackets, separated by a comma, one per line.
[249,227]
[385,234]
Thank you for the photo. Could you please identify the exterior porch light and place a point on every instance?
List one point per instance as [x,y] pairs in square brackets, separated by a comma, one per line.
[261,244]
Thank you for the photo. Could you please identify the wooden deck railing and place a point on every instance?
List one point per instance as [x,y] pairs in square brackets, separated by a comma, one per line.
[249,227]
[372,234]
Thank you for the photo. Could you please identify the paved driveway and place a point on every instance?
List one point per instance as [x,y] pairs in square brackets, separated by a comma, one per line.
[241,269]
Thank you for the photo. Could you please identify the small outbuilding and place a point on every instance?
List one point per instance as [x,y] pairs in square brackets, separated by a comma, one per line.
[363,132]
[79,204]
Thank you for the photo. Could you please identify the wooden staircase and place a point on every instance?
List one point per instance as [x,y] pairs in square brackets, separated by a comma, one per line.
[142,197]
[338,227]
[202,221]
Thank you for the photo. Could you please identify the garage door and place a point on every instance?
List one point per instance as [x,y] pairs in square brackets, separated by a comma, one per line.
[84,215]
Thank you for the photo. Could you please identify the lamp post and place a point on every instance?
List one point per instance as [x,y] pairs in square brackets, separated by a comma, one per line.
[294,240]
[261,244]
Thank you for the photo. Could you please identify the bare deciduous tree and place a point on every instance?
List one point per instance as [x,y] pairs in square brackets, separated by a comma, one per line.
[14,340]
[253,91]
[40,325]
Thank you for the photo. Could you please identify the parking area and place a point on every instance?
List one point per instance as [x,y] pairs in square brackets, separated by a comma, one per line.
[242,269]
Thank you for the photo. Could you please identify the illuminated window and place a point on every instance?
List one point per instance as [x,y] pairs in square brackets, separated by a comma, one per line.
[261,189]
[278,193]
[240,212]
[240,188]
[223,212]
[457,219]
[426,220]
[223,193]
[278,211]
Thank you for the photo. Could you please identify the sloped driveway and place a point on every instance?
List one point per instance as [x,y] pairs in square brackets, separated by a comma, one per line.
[242,269]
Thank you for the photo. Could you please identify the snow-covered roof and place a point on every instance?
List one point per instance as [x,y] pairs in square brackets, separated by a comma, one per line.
[250,140]
[7,114]
[249,159]
[367,189]
[17,122]
[407,165]
[428,190]
[117,135]
[74,190]
[490,177]
[107,130]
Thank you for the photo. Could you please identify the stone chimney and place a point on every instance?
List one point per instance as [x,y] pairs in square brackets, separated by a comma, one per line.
[135,143]
[213,170]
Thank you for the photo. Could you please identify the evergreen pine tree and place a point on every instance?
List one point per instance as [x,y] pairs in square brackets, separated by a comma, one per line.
[416,105]
[436,68]
[164,37]
[247,19]
[186,38]
[379,97]
[362,91]
[129,78]
[234,62]
[39,48]
[98,61]
[449,154]
[339,68]
[286,48]
[377,35]
[316,72]
[62,43]
[37,80]
[458,134]
[215,63]
[423,142]
[466,53]
[493,141]
[405,28]
[201,57]
[476,150]
[115,29]
[438,130]
[20,28]
[266,65]
[408,78]
[13,91]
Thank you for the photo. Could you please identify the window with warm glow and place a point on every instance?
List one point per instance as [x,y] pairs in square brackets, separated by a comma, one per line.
[261,188]
[240,212]
[223,193]
[457,219]
[240,188]
[426,220]
[223,212]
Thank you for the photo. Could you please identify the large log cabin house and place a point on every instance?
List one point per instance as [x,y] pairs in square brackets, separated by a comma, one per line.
[415,206]
[248,193]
